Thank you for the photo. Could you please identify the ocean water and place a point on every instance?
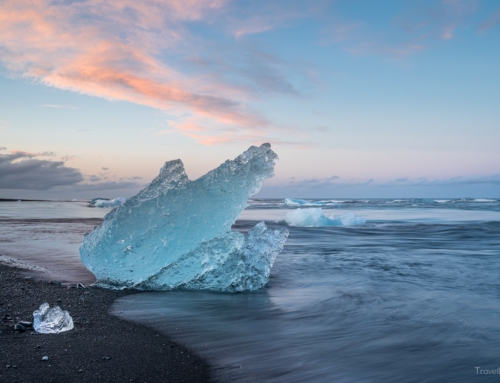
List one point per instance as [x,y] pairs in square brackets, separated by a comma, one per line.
[47,235]
[413,295]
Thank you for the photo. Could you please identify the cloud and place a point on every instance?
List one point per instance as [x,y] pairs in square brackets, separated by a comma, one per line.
[59,106]
[439,21]
[105,168]
[117,50]
[493,179]
[19,170]
[334,183]
[69,158]
[157,53]
[491,21]
[413,30]
[254,17]
[24,171]
[110,185]
[310,183]
[3,148]
[46,154]
[135,178]
[204,133]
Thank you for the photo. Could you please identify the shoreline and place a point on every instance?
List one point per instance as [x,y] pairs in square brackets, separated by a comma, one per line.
[100,348]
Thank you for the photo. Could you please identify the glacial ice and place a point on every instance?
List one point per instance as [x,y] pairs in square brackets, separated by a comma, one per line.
[303,202]
[51,320]
[108,203]
[315,217]
[295,202]
[176,233]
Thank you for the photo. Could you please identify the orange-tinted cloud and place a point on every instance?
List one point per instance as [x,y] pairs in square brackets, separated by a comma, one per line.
[113,49]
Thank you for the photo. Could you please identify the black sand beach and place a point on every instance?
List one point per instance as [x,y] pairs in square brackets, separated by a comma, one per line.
[101,347]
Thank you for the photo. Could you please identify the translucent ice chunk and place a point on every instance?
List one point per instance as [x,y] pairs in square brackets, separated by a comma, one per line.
[295,202]
[349,219]
[51,320]
[315,217]
[109,203]
[176,233]
[230,263]
[302,202]
[94,200]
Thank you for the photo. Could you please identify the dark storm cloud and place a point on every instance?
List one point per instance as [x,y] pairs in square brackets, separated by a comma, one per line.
[20,170]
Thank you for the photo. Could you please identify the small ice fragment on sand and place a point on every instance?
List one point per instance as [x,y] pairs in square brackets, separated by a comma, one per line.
[51,320]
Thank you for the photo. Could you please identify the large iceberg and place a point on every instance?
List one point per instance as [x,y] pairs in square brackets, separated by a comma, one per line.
[315,217]
[176,233]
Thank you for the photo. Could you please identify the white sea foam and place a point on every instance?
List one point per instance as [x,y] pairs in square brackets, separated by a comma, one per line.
[12,262]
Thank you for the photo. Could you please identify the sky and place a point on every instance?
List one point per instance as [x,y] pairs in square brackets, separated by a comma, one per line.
[375,99]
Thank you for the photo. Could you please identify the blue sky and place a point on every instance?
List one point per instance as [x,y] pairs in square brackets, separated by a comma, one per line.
[358,98]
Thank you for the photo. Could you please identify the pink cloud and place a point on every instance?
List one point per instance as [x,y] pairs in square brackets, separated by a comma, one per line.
[208,134]
[113,49]
[254,17]
[440,21]
[410,32]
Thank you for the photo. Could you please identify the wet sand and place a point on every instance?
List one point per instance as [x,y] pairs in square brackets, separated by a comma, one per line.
[101,347]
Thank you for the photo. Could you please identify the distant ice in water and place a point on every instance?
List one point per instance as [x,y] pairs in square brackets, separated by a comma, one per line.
[303,202]
[176,233]
[108,203]
[315,217]
[51,320]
